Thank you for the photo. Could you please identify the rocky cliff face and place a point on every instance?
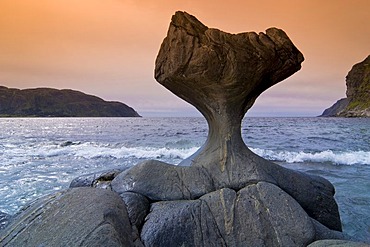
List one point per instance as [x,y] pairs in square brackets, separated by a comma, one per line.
[357,103]
[48,102]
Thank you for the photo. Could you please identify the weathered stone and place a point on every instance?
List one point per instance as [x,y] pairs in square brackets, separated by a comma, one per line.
[222,74]
[137,208]
[337,243]
[76,217]
[322,232]
[160,181]
[100,180]
[257,215]
[181,223]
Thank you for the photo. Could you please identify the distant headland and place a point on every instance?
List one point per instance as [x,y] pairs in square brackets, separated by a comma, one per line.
[49,102]
[357,103]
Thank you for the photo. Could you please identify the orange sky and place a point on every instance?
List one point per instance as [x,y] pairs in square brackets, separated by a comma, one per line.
[108,47]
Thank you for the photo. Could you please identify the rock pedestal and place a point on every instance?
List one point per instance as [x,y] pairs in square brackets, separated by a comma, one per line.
[225,195]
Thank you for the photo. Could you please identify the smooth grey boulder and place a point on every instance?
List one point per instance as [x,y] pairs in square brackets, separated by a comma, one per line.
[137,208]
[258,215]
[160,181]
[337,243]
[75,217]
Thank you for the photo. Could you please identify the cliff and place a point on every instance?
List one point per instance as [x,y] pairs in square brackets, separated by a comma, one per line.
[48,102]
[357,103]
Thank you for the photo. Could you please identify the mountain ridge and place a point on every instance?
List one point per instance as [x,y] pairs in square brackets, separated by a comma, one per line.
[51,102]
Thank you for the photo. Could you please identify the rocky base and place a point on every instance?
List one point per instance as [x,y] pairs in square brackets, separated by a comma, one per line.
[259,214]
[75,217]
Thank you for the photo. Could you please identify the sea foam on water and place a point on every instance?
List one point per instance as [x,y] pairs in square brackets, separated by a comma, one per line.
[40,156]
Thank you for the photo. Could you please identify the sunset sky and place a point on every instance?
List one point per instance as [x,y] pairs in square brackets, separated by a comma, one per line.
[108,47]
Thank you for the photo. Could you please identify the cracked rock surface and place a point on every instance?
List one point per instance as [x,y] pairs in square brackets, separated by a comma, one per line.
[225,195]
[75,217]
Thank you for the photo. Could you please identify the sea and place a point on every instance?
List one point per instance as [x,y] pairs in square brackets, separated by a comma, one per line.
[39,156]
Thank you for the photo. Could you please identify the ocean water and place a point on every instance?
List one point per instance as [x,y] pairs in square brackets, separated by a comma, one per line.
[42,155]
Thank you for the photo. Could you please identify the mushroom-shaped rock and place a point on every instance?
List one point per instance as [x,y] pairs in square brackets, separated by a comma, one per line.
[222,74]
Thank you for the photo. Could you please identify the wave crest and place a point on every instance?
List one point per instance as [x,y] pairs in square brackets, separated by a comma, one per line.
[340,158]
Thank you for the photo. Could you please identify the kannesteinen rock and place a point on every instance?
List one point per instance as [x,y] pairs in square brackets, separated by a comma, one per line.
[48,102]
[223,195]
[357,103]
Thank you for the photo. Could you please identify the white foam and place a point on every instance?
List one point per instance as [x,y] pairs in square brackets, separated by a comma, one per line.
[342,158]
[95,151]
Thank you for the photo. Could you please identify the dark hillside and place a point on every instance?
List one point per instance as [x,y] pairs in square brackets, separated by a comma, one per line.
[48,102]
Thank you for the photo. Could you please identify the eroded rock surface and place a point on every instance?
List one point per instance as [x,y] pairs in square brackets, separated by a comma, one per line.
[222,74]
[76,217]
[337,243]
[101,180]
[257,215]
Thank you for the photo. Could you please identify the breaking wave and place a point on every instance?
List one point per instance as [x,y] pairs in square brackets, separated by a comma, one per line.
[327,156]
[91,150]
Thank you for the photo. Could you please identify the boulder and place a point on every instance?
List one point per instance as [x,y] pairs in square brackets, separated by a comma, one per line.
[100,180]
[160,181]
[337,243]
[137,208]
[75,217]
[258,215]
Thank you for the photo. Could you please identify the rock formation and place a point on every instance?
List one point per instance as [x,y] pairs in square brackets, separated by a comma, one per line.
[357,103]
[223,195]
[76,217]
[224,189]
[48,102]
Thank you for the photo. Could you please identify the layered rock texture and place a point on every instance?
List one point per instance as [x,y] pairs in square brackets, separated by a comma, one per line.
[48,102]
[357,103]
[223,195]
[76,217]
